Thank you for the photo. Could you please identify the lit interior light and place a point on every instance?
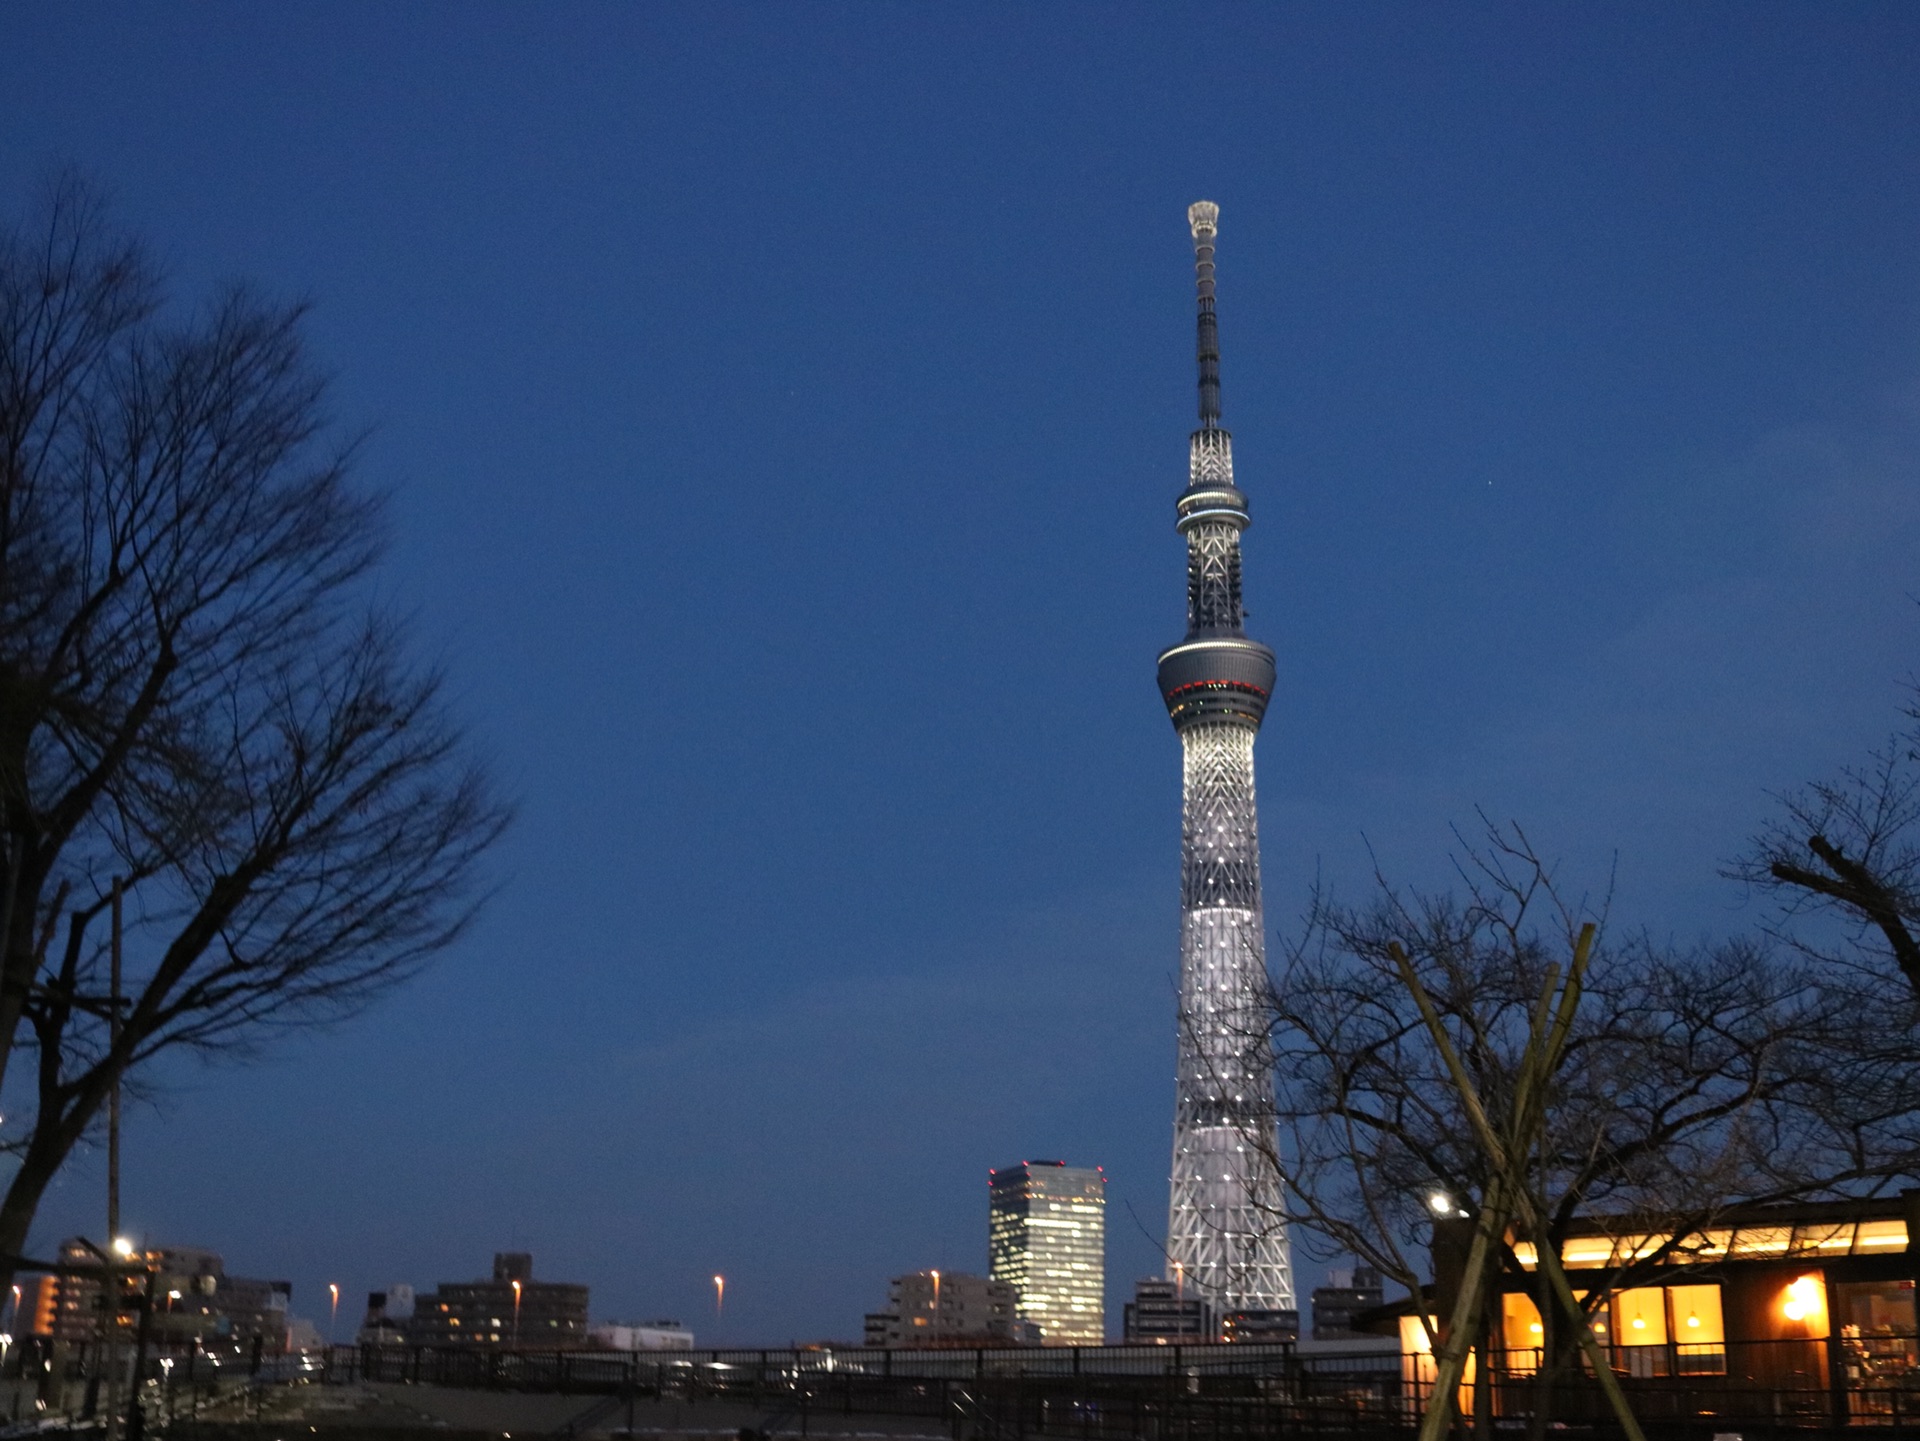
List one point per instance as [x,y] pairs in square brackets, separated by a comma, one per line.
[1803,1299]
[1692,1320]
[1638,1324]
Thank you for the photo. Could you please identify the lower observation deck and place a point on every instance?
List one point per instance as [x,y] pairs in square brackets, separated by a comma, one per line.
[1216,678]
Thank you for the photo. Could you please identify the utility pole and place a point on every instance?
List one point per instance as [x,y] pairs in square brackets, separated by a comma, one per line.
[113,1287]
[113,1096]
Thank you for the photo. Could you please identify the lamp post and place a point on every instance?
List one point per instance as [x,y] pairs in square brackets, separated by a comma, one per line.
[112,1293]
[333,1316]
[719,1296]
[516,1314]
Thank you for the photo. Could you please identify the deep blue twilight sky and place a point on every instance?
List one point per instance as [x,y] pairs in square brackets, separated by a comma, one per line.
[785,406]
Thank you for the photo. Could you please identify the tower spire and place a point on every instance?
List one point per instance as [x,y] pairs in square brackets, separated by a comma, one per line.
[1203,219]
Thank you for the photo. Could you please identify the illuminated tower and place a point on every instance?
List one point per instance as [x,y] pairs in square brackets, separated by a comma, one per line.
[1224,1236]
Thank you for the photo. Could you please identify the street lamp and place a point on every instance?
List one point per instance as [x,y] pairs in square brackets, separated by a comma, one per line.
[516,1313]
[719,1294]
[122,1247]
[333,1317]
[936,1301]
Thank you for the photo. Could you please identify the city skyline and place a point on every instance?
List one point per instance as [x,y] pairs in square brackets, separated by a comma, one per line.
[785,492]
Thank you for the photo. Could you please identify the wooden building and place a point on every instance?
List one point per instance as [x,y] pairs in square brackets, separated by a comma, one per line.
[1790,1313]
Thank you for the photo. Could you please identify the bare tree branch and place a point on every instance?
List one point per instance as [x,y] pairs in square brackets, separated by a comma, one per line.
[1690,1079]
[1842,858]
[194,694]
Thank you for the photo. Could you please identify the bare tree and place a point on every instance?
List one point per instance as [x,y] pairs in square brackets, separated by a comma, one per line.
[1843,859]
[1687,1080]
[196,696]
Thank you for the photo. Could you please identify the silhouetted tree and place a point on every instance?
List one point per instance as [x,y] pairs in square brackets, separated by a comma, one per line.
[1843,859]
[1688,1080]
[195,695]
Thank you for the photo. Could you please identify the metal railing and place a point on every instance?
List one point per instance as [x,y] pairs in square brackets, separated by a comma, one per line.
[1835,1382]
[1101,1393]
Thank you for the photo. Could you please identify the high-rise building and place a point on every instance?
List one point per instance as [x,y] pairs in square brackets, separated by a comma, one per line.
[1224,1231]
[1047,1238]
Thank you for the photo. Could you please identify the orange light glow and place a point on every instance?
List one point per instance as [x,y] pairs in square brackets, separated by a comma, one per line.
[1803,1299]
[1804,1302]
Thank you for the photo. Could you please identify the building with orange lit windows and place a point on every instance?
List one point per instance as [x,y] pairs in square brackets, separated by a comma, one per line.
[1804,1311]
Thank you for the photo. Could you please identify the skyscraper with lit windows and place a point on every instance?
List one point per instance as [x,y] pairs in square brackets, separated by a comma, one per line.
[1225,1240]
[1047,1238]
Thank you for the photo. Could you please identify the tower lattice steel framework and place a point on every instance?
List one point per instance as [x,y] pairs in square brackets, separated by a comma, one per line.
[1225,1239]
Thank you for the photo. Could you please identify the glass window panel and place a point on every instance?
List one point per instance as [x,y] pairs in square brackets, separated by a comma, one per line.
[1587,1251]
[1696,1315]
[1823,1240]
[1640,1317]
[1880,1236]
[1521,1333]
[1762,1240]
[1703,1246]
[1634,1248]
[1875,1308]
[1879,1356]
[1699,1332]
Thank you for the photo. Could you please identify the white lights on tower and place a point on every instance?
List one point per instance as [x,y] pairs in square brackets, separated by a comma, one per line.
[1225,1235]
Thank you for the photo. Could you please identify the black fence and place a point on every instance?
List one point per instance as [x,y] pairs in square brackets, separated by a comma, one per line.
[1101,1393]
[588,1371]
[1690,1392]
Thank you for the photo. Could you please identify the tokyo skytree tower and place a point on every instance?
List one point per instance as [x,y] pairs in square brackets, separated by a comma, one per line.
[1225,1240]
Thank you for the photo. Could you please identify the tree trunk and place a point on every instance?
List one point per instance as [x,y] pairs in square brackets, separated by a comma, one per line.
[55,1134]
[29,1183]
[20,958]
[1559,1353]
